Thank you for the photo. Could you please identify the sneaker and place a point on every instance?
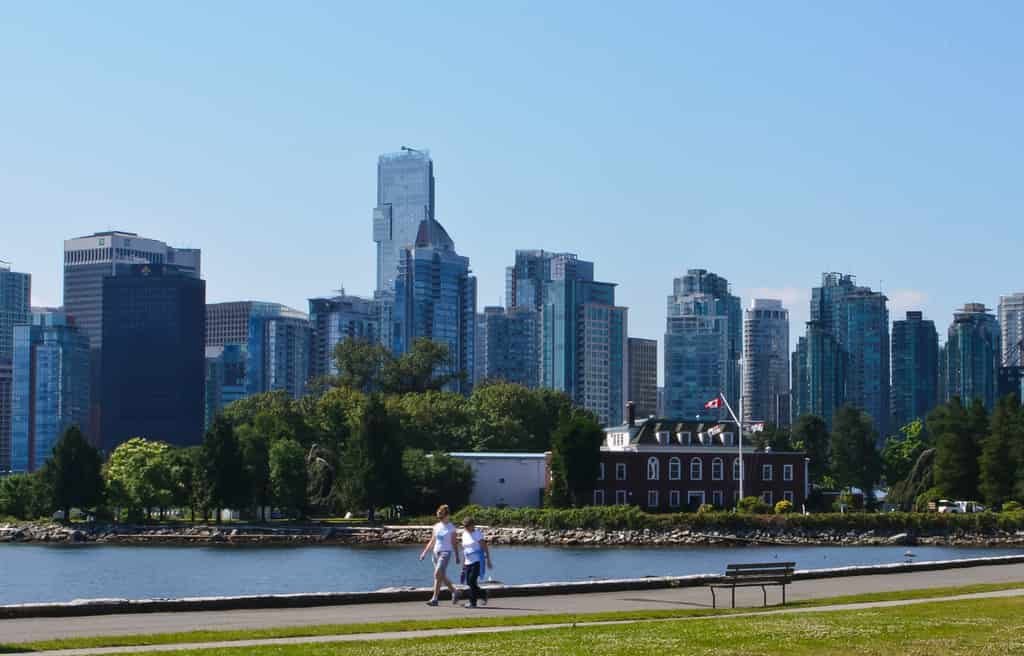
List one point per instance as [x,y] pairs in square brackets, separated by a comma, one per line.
[432,602]
[469,605]
[455,597]
[483,599]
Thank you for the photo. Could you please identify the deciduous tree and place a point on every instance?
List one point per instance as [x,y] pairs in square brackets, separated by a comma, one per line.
[74,473]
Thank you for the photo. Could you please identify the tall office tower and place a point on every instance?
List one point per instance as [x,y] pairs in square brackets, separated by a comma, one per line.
[533,269]
[506,346]
[973,355]
[643,375]
[6,381]
[857,319]
[584,346]
[703,345]
[1011,321]
[435,298]
[15,306]
[819,374]
[274,343]
[405,198]
[336,319]
[50,387]
[765,362]
[154,365]
[915,369]
[90,259]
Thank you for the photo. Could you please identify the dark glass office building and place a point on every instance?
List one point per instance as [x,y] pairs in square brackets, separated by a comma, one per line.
[153,362]
[915,369]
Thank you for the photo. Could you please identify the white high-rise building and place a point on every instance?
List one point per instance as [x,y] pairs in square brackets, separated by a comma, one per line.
[1011,322]
[765,361]
[405,198]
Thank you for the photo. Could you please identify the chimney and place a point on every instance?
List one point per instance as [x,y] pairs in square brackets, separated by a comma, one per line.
[631,413]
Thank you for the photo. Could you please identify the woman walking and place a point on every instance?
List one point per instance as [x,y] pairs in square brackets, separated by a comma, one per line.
[477,556]
[442,541]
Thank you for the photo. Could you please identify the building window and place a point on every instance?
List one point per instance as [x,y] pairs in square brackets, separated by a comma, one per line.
[788,495]
[652,498]
[766,472]
[766,496]
[600,472]
[728,439]
[673,499]
[696,469]
[695,499]
[675,469]
[663,437]
[735,469]
[620,471]
[716,498]
[620,497]
[787,472]
[598,497]
[717,469]
[685,438]
[652,469]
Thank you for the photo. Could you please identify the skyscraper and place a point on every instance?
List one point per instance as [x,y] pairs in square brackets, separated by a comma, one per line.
[703,344]
[1011,321]
[915,369]
[973,355]
[6,382]
[15,306]
[336,319]
[405,198]
[435,298]
[643,375]
[819,374]
[765,362]
[154,365]
[50,387]
[533,269]
[506,346]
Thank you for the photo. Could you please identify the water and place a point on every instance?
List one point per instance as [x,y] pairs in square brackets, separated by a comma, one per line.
[34,573]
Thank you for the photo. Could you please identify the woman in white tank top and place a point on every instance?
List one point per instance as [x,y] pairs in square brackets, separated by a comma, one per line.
[443,544]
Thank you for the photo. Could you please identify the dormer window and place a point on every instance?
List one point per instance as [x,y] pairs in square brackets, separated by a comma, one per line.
[663,437]
[728,439]
[685,437]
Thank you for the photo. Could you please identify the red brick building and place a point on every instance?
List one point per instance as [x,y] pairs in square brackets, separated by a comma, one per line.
[671,466]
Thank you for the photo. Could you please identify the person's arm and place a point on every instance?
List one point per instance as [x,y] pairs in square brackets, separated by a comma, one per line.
[456,545]
[430,545]
[487,550]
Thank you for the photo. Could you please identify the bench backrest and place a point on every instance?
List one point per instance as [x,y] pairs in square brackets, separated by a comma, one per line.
[760,571]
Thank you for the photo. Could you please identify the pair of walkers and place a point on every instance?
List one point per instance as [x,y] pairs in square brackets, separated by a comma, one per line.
[446,542]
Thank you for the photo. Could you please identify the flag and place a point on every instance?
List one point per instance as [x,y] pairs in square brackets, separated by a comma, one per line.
[716,429]
[714,403]
[757,428]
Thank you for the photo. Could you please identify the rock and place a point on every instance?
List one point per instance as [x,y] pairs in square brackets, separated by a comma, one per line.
[900,539]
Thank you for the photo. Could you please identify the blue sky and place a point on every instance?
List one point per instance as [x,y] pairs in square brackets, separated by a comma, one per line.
[768,142]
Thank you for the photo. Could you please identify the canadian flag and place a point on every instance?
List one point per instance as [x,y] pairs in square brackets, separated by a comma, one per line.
[714,403]
[757,428]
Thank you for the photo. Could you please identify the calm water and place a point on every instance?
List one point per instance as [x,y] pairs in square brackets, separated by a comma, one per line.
[44,573]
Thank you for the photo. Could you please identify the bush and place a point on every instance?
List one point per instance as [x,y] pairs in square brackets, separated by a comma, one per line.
[784,507]
[706,508]
[1012,507]
[435,479]
[753,505]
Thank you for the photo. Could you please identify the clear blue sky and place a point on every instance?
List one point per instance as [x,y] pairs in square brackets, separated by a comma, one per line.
[768,142]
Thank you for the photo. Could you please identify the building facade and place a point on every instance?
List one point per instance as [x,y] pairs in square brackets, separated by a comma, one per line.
[50,387]
[6,384]
[154,365]
[1011,324]
[703,345]
[643,376]
[819,374]
[513,480]
[766,362]
[915,369]
[506,346]
[405,198]
[335,319]
[15,307]
[435,298]
[973,355]
[533,269]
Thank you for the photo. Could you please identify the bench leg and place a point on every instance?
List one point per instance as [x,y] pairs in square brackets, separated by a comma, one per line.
[734,596]
[783,594]
[714,602]
[764,593]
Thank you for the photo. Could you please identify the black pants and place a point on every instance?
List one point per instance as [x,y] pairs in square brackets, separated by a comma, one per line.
[473,581]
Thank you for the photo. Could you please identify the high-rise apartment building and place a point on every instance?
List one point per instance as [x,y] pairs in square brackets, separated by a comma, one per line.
[703,345]
[50,384]
[643,376]
[766,362]
[506,346]
[1011,322]
[405,198]
[15,306]
[333,320]
[819,374]
[915,368]
[6,382]
[154,365]
[973,355]
[533,269]
[435,298]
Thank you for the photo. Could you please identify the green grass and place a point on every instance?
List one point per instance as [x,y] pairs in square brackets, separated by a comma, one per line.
[473,622]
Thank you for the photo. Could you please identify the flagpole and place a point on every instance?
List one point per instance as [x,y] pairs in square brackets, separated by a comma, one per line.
[739,430]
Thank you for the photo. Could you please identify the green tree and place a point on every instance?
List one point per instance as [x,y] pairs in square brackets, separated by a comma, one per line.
[855,460]
[575,458]
[434,479]
[901,451]
[288,475]
[433,421]
[23,496]
[361,363]
[422,368]
[138,476]
[957,447]
[772,437]
[810,434]
[904,494]
[510,417]
[74,473]
[998,463]
[222,469]
[371,465]
[255,440]
[182,467]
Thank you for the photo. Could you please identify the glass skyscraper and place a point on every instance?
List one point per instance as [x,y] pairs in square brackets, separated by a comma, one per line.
[766,362]
[973,355]
[1011,322]
[533,269]
[405,198]
[50,387]
[15,306]
[703,345]
[506,346]
[435,298]
[643,376]
[819,374]
[336,319]
[915,369]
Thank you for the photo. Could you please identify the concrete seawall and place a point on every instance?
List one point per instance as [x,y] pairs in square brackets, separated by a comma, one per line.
[82,608]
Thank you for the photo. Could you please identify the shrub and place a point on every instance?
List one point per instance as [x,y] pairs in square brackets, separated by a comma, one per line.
[705,508]
[753,505]
[784,507]
[1012,506]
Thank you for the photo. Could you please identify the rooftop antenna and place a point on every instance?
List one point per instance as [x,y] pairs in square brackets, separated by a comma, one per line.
[341,291]
[411,150]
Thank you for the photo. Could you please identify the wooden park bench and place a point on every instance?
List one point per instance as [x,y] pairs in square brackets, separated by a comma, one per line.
[754,575]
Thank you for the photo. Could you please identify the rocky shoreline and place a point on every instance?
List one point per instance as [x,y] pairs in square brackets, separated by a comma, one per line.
[241,535]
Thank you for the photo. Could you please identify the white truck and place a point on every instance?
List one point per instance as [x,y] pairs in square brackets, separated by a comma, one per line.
[947,506]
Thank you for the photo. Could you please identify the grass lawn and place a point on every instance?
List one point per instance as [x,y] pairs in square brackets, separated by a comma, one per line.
[494,621]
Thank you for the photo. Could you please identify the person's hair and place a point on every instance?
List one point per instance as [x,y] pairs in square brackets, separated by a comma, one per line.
[468,522]
[442,510]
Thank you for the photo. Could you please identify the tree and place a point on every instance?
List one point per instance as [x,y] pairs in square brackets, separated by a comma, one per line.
[138,476]
[810,434]
[957,448]
[510,417]
[182,467]
[360,364]
[371,466]
[23,496]
[855,460]
[901,451]
[433,421]
[434,479]
[255,440]
[74,473]
[222,469]
[772,437]
[420,369]
[575,457]
[288,475]
[998,465]
[919,479]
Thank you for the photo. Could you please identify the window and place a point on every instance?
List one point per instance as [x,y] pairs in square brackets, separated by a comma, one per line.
[620,471]
[675,469]
[652,498]
[788,495]
[787,472]
[766,472]
[696,469]
[620,497]
[695,499]
[735,469]
[663,437]
[766,496]
[716,498]
[717,469]
[598,497]
[673,499]
[685,438]
[728,439]
[600,472]
[652,469]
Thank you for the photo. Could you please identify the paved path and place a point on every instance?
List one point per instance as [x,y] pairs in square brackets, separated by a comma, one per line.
[436,633]
[27,630]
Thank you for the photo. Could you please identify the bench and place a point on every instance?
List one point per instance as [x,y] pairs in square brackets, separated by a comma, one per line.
[754,575]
